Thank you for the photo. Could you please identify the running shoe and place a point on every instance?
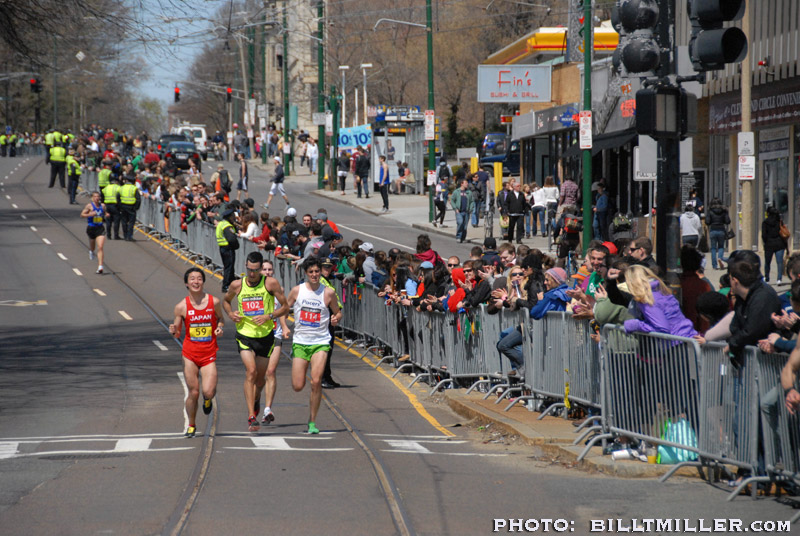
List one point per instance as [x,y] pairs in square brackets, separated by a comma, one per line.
[257,406]
[252,423]
[190,432]
[208,405]
[91,255]
[99,270]
[268,417]
[312,428]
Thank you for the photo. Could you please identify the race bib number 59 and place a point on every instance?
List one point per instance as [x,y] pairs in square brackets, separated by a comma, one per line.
[200,332]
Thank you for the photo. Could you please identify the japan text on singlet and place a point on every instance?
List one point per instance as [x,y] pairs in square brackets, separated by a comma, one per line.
[200,341]
[255,301]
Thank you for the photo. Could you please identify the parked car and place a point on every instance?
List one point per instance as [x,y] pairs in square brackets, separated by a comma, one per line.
[180,152]
[166,139]
[494,143]
[510,160]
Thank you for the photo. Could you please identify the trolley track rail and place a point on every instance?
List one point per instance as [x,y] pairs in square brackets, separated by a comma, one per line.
[179,518]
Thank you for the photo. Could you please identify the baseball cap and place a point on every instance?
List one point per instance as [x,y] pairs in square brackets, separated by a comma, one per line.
[277,159]
[366,246]
[490,242]
[220,166]
[291,212]
[228,212]
[611,247]
[321,216]
[426,264]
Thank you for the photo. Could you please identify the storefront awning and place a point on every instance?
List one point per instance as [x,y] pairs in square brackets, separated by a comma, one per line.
[602,142]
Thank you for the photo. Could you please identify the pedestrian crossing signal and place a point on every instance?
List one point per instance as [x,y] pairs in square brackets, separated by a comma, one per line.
[36,85]
[177,94]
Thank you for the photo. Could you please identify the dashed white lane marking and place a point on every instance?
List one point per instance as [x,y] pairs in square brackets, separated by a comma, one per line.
[160,346]
[374,237]
[33,228]
[46,241]
[77,271]
[8,196]
[182,378]
[14,205]
[99,292]
[62,257]
[125,315]
[23,216]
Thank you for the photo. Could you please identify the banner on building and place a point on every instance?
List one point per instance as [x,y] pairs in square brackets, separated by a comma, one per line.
[350,138]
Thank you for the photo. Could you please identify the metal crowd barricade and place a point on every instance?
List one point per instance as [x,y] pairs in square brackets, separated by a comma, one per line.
[543,353]
[650,379]
[725,434]
[779,431]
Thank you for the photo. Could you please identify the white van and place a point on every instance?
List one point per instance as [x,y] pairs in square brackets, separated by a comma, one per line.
[197,133]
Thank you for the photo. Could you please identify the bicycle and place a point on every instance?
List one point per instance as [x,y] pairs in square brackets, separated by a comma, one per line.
[488,221]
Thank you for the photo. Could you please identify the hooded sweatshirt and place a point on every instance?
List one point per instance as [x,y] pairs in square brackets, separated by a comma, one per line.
[553,300]
[429,255]
[452,302]
[664,316]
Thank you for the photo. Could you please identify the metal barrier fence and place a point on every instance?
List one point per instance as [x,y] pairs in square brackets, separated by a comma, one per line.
[641,383]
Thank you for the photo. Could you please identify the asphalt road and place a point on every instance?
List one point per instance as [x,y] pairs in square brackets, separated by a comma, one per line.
[91,414]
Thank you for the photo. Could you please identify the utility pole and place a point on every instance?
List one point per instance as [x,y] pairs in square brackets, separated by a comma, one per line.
[264,47]
[251,72]
[431,103]
[287,137]
[749,239]
[55,85]
[588,44]
[321,97]
[244,82]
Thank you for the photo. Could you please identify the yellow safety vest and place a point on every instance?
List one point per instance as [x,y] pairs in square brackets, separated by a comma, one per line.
[58,154]
[255,301]
[3,139]
[102,177]
[57,137]
[110,194]
[73,166]
[127,194]
[326,283]
[48,139]
[220,232]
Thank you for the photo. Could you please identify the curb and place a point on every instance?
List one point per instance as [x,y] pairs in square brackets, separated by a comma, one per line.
[422,227]
[562,448]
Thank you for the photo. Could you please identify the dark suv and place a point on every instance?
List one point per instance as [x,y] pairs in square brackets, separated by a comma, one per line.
[166,139]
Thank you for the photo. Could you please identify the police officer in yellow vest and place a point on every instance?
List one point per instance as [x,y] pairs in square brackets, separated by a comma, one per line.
[228,244]
[104,175]
[129,201]
[111,199]
[48,144]
[58,137]
[74,175]
[3,144]
[12,145]
[58,164]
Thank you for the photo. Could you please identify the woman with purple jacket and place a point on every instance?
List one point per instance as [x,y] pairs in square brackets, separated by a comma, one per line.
[654,308]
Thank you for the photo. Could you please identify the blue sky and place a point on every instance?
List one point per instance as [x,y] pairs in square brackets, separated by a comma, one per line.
[183,29]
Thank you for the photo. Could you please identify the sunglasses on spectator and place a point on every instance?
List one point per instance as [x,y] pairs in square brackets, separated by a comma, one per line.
[452,265]
[467,270]
[517,274]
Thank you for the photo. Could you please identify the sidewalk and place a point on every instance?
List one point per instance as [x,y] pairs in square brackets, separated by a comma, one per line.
[412,210]
[552,436]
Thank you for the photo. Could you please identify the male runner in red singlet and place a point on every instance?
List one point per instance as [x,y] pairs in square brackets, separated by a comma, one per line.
[202,314]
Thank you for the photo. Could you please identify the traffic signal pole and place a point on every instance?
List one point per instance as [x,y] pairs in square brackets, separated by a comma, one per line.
[749,238]
[588,217]
[668,209]
[287,138]
[431,143]
[321,98]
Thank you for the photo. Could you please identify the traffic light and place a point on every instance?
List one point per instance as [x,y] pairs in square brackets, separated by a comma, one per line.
[638,51]
[36,85]
[666,112]
[177,94]
[229,94]
[711,46]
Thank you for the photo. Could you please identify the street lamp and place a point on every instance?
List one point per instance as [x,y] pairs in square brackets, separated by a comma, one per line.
[344,68]
[429,38]
[364,67]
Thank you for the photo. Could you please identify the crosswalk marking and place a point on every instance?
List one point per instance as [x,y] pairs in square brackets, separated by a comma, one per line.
[77,271]
[125,315]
